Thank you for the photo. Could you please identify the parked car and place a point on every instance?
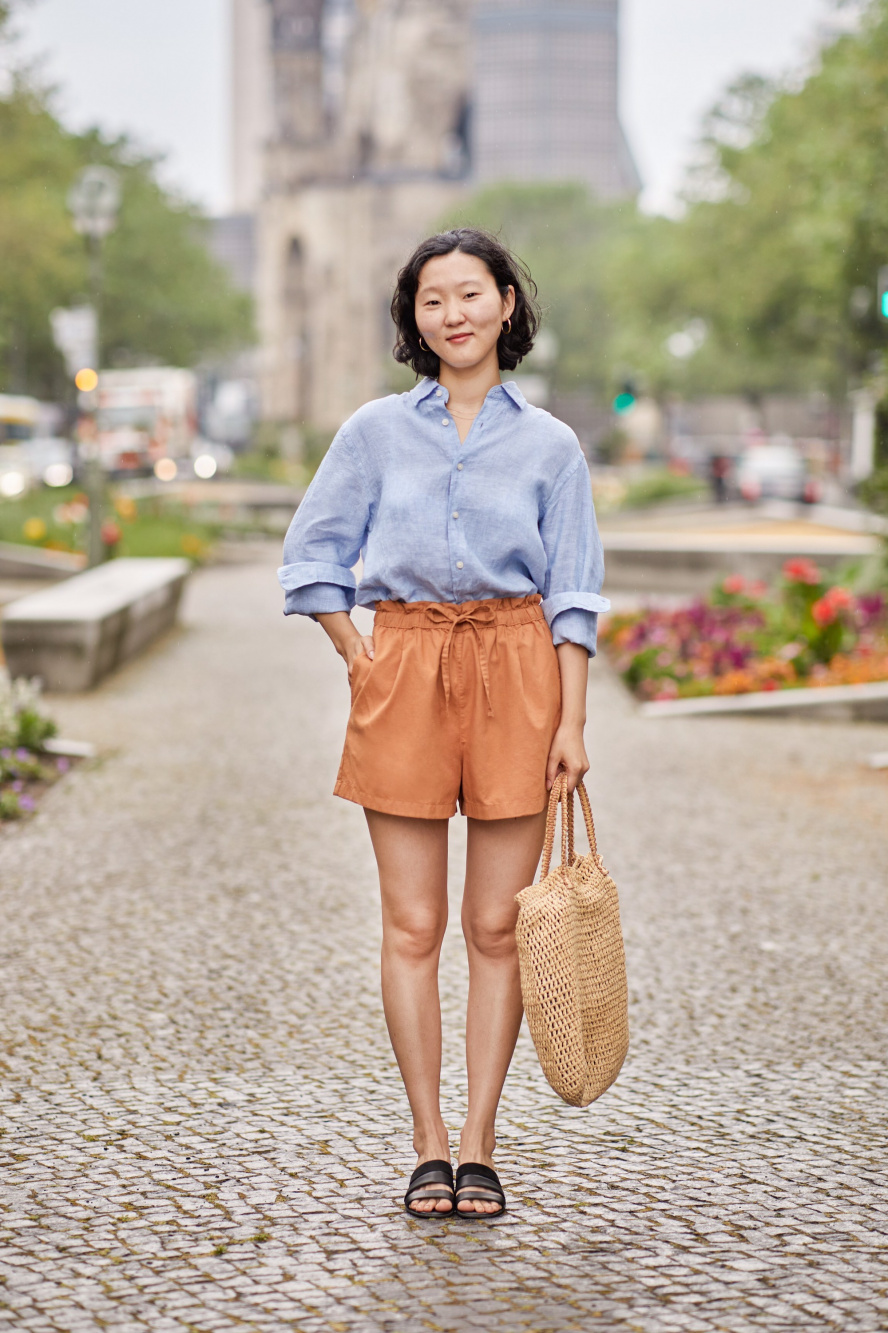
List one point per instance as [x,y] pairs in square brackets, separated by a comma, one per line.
[775,472]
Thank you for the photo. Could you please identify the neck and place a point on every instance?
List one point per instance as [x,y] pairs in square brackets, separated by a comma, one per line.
[470,386]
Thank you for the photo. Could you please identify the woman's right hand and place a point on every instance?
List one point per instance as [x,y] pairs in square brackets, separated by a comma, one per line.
[349,644]
[361,643]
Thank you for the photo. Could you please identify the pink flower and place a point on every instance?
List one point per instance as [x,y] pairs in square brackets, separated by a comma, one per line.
[734,584]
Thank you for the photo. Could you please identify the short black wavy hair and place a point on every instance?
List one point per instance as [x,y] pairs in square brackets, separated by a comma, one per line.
[507,270]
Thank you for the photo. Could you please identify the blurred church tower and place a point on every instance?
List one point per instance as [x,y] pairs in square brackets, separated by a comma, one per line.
[359,124]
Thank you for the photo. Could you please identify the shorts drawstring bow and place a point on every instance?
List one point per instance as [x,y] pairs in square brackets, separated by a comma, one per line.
[475,617]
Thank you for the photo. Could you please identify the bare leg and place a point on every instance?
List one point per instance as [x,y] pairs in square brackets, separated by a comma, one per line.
[502,859]
[412,858]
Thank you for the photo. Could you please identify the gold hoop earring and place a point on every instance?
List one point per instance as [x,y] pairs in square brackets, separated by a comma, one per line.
[508,330]
[422,344]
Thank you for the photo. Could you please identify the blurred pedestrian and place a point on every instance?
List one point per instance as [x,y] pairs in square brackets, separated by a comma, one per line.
[473,513]
[719,470]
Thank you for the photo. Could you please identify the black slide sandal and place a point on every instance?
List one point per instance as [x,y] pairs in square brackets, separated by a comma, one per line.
[481,1183]
[437,1173]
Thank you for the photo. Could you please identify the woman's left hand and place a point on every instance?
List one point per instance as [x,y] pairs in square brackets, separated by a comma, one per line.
[568,753]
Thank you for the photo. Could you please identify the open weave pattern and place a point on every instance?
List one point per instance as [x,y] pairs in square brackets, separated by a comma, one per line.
[573,968]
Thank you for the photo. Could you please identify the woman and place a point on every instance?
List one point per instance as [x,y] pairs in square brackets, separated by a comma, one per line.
[473,513]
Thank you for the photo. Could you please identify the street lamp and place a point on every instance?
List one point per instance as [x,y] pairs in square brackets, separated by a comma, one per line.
[93,201]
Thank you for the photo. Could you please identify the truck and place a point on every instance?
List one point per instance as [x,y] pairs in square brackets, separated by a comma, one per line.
[144,414]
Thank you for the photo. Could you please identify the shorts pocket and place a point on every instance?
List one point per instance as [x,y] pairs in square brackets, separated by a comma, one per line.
[359,675]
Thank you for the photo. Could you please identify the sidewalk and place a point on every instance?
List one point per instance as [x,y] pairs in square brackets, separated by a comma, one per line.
[203,1127]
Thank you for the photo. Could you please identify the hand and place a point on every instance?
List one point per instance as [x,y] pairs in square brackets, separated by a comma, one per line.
[349,644]
[361,643]
[568,753]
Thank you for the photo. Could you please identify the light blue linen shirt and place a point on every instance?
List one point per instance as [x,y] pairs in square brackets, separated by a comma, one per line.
[506,513]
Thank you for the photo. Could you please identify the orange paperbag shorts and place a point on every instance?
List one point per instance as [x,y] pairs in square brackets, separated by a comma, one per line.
[460,703]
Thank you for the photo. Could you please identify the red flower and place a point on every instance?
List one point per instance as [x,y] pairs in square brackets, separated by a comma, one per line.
[111,533]
[801,570]
[734,584]
[830,606]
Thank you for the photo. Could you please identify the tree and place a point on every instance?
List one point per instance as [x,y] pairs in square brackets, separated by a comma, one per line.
[166,299]
[786,218]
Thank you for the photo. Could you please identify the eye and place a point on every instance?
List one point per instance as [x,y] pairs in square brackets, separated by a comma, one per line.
[468,294]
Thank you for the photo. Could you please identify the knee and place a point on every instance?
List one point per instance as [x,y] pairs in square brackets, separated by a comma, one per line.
[414,937]
[494,937]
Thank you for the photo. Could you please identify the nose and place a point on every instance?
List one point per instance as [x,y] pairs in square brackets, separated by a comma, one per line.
[453,314]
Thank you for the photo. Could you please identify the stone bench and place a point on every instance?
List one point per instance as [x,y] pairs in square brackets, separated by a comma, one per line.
[74,634]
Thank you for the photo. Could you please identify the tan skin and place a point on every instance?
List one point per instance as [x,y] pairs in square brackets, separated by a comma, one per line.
[459,313]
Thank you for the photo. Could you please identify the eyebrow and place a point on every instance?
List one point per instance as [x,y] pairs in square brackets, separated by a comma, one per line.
[462,282]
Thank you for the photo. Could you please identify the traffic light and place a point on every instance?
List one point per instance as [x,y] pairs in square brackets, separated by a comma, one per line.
[882,294]
[625,399]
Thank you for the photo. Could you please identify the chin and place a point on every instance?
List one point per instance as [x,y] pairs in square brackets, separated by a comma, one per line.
[465,357]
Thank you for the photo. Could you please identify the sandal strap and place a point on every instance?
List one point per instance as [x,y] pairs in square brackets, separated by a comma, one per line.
[434,1172]
[428,1174]
[472,1178]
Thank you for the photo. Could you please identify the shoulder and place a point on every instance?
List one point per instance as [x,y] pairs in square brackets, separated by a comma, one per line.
[559,444]
[379,415]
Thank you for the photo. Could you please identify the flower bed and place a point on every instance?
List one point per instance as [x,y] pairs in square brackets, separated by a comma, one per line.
[746,637]
[25,770]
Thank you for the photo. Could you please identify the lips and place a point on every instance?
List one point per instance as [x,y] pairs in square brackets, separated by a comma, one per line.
[459,338]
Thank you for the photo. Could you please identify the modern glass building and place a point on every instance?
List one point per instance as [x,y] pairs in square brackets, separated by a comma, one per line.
[545,94]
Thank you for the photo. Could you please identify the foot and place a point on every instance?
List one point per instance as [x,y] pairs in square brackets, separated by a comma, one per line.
[474,1152]
[429,1152]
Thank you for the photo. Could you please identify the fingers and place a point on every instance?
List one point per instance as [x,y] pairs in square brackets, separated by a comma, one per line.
[367,644]
[573,769]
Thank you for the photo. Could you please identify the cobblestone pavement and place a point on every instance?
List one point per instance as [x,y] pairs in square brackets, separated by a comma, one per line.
[202,1124]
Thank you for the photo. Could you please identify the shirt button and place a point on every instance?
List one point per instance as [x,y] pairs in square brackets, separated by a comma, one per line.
[438,393]
[459,564]
[445,421]
[456,513]
[459,467]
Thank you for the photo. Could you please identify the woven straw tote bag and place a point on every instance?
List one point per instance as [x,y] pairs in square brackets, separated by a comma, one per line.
[573,968]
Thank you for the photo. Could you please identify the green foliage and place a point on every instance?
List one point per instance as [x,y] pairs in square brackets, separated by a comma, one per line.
[659,484]
[874,491]
[165,298]
[785,218]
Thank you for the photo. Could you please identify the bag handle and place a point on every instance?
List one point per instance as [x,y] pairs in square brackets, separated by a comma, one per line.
[559,795]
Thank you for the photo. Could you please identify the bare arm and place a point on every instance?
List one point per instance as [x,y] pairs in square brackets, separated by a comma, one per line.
[568,750]
[343,634]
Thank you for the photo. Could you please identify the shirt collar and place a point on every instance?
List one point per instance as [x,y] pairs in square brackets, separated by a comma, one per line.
[510,388]
[426,387]
[423,390]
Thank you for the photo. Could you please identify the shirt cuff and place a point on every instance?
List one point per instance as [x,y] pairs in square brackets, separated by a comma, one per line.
[576,626]
[317,599]
[315,571]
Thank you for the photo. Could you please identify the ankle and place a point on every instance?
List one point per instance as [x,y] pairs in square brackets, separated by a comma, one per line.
[477,1143]
[431,1142]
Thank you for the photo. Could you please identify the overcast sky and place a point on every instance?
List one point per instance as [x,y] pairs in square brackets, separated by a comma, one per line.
[158,69]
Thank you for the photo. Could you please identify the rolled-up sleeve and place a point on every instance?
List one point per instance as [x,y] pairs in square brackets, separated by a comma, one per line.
[575,574]
[325,538]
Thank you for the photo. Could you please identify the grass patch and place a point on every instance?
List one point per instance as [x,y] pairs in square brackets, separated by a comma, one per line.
[58,520]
